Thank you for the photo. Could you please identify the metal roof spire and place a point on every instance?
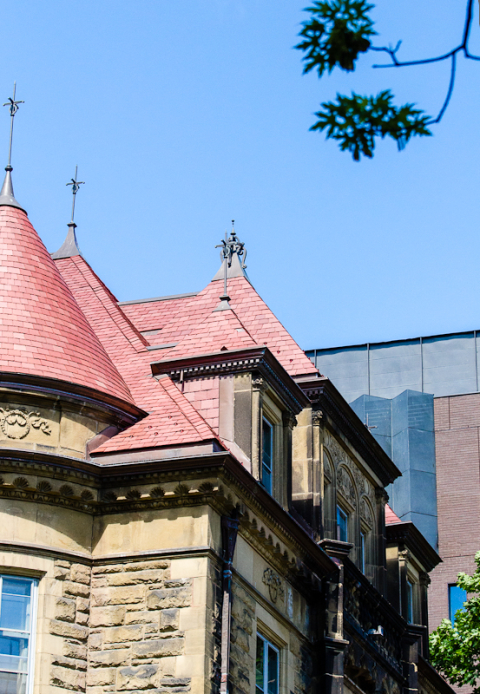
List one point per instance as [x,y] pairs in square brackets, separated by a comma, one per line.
[233,259]
[226,257]
[6,194]
[70,245]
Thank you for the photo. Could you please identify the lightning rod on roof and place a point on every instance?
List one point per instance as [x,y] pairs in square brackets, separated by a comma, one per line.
[6,194]
[75,188]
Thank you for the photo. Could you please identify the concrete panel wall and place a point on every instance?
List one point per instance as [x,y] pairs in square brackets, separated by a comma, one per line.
[440,365]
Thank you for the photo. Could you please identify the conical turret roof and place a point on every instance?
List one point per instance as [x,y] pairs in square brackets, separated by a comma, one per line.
[43,331]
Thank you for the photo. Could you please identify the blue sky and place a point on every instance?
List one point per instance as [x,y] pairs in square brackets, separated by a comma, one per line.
[182,116]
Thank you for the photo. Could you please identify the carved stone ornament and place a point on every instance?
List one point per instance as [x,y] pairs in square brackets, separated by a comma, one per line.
[345,485]
[289,419]
[317,417]
[340,457]
[274,583]
[327,469]
[17,423]
[366,512]
[259,384]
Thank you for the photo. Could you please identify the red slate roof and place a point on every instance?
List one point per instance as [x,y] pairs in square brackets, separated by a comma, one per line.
[220,330]
[42,329]
[255,316]
[390,516]
[154,315]
[172,420]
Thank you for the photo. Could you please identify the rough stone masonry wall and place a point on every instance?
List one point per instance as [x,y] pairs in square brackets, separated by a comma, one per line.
[70,625]
[297,657]
[119,626]
[134,628]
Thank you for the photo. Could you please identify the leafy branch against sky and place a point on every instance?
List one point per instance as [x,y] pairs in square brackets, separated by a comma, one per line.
[336,33]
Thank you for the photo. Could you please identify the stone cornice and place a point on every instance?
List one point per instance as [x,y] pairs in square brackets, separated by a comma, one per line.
[258,359]
[324,396]
[99,490]
[408,534]
[126,413]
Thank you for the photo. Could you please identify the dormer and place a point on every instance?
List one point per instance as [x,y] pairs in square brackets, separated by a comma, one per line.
[251,404]
[410,558]
[339,477]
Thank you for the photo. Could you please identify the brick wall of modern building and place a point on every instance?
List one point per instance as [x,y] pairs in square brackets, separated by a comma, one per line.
[457,442]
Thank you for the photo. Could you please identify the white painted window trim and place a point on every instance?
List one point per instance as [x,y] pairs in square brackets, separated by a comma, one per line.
[33,625]
[266,645]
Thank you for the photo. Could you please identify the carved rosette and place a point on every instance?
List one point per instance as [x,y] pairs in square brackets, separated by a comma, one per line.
[16,423]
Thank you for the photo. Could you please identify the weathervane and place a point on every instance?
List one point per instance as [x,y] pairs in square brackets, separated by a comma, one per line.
[75,188]
[13,110]
[228,247]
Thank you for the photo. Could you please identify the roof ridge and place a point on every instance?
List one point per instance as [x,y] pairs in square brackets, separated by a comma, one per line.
[113,308]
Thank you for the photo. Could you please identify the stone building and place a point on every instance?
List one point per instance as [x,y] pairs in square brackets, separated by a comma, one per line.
[186,505]
[424,393]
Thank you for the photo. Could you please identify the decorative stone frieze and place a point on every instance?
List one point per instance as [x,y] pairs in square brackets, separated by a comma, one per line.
[16,423]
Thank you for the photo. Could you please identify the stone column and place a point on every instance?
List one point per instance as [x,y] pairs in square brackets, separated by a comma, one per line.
[317,476]
[381,498]
[258,388]
[424,583]
[289,422]
[334,643]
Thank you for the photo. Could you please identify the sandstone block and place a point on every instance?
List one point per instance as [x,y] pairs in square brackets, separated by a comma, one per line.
[71,588]
[70,631]
[158,648]
[61,573]
[80,573]
[74,650]
[169,619]
[169,597]
[140,677]
[83,605]
[65,610]
[134,632]
[108,568]
[118,596]
[82,618]
[154,564]
[119,656]
[69,662]
[68,679]
[240,638]
[134,577]
[95,641]
[242,595]
[101,676]
[107,616]
[140,617]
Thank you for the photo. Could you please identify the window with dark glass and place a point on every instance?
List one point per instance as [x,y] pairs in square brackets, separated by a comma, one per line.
[409,601]
[342,525]
[267,455]
[456,597]
[16,651]
[363,540]
[267,667]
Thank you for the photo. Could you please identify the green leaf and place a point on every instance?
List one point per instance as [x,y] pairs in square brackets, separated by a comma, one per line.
[357,120]
[334,35]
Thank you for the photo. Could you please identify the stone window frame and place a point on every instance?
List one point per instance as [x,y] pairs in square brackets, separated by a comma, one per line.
[369,550]
[272,414]
[34,577]
[351,509]
[329,505]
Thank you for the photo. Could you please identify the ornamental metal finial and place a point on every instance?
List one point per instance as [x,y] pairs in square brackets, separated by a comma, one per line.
[14,105]
[7,196]
[75,188]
